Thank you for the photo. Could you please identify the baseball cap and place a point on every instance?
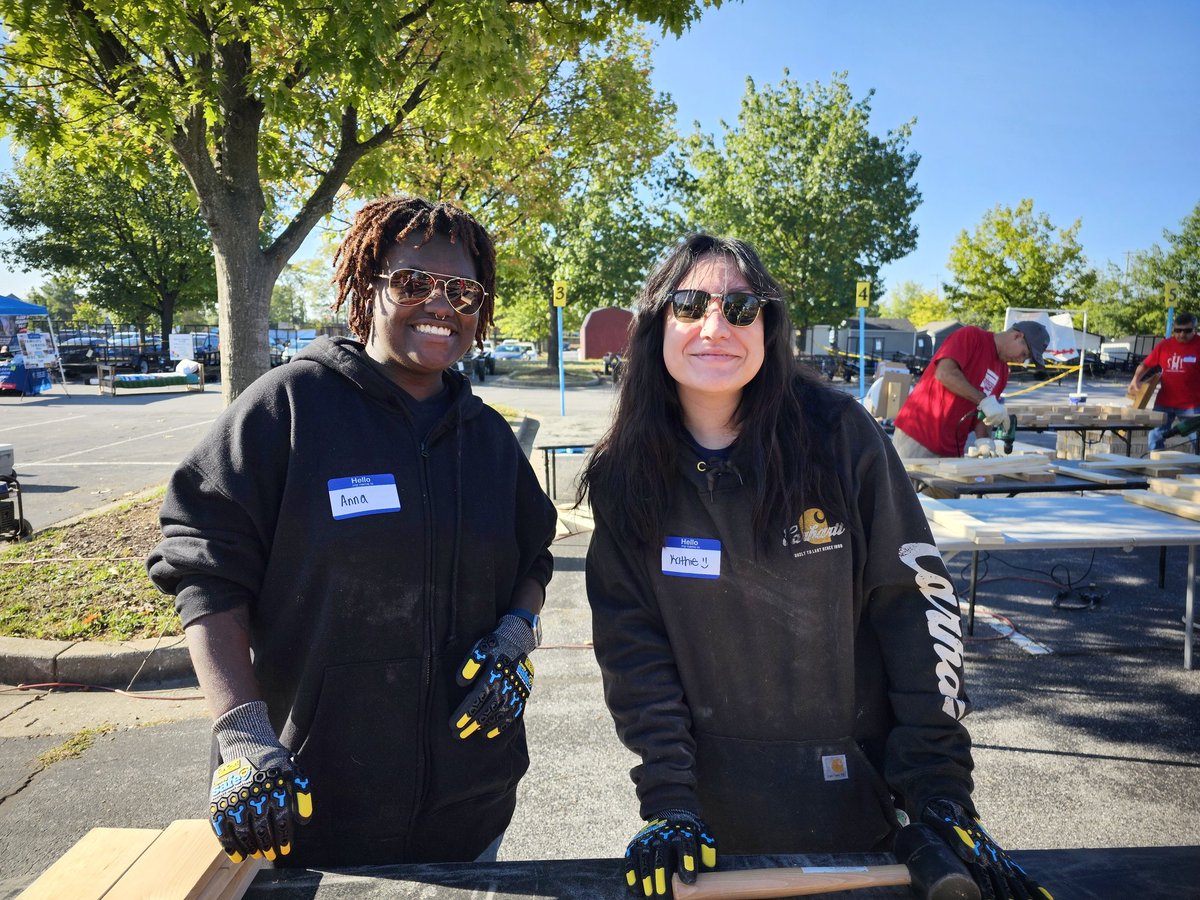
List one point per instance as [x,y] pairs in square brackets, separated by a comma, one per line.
[1037,338]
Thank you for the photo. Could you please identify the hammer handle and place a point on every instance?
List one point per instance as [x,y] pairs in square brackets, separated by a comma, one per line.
[750,884]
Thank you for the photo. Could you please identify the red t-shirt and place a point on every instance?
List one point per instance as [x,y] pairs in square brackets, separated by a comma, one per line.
[1180,384]
[932,415]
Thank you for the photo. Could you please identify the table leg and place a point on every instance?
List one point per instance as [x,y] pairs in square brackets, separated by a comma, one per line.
[554,475]
[1189,608]
[546,469]
[971,603]
[1162,567]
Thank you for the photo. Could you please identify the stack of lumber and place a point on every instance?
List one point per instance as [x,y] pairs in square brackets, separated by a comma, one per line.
[961,524]
[181,862]
[1178,496]
[1026,467]
[1160,463]
[1102,415]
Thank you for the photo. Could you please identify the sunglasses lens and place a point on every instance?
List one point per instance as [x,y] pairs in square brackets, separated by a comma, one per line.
[465,296]
[409,287]
[689,306]
[740,309]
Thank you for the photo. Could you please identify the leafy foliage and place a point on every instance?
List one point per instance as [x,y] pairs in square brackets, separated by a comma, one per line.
[912,301]
[825,202]
[1017,258]
[137,250]
[269,107]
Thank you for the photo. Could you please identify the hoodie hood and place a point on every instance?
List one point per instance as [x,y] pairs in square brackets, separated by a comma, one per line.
[349,359]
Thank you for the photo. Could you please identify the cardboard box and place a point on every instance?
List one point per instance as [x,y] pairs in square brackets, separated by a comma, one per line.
[893,391]
[1141,399]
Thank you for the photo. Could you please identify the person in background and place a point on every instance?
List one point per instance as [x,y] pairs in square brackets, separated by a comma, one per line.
[779,639]
[959,395]
[361,633]
[1179,385]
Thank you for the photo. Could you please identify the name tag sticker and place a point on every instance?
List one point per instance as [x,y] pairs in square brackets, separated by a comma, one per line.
[363,495]
[691,557]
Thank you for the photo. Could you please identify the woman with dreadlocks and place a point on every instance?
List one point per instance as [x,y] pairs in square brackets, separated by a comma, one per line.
[362,640]
[778,636]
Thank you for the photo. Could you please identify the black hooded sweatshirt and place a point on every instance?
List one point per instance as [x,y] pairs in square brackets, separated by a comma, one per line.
[794,697]
[371,558]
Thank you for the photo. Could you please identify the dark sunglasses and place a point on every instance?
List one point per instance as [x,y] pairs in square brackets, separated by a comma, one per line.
[412,287]
[1184,330]
[739,308]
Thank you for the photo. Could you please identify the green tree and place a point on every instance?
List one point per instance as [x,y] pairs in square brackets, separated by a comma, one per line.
[269,107]
[915,302]
[59,294]
[1017,258]
[800,176]
[138,250]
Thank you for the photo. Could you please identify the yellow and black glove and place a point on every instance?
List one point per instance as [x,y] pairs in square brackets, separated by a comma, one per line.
[673,840]
[259,794]
[501,673]
[997,875]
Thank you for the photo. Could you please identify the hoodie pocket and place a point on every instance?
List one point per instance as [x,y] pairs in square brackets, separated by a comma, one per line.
[361,751]
[791,796]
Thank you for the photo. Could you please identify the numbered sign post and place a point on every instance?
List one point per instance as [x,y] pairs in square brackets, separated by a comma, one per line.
[1171,295]
[560,300]
[862,299]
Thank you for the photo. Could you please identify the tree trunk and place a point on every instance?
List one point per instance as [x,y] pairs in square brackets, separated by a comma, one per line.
[552,349]
[244,281]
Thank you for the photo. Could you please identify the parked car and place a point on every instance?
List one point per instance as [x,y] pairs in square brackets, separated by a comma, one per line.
[515,350]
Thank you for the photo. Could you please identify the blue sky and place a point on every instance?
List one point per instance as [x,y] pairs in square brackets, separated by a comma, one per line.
[1090,108]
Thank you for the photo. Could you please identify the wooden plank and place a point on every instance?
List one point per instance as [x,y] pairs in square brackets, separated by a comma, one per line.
[178,866]
[1040,477]
[962,524]
[234,882]
[1189,479]
[1171,487]
[1089,474]
[1176,456]
[93,865]
[1141,398]
[1173,505]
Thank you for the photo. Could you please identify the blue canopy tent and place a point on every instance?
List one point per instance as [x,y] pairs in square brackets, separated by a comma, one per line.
[12,305]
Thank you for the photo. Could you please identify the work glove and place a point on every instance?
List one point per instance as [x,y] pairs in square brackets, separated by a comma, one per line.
[992,869]
[502,673]
[992,412]
[983,448]
[259,793]
[671,842]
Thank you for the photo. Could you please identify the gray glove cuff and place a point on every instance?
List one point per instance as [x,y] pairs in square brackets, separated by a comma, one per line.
[679,815]
[245,731]
[514,637]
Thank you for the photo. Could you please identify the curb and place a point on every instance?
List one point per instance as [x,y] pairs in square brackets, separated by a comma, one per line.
[152,662]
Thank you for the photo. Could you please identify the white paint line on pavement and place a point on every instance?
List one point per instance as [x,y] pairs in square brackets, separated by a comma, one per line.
[140,437]
[38,424]
[1004,627]
[107,465]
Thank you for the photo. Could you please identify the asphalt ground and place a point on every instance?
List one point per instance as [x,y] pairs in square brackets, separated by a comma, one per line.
[1094,744]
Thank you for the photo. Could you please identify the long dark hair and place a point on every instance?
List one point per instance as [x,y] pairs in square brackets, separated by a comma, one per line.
[782,414]
[389,220]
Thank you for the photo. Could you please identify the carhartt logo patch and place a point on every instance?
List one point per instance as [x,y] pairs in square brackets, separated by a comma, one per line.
[814,529]
[835,767]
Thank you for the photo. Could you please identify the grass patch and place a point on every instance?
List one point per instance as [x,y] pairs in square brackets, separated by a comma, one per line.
[510,415]
[87,580]
[538,372]
[74,745]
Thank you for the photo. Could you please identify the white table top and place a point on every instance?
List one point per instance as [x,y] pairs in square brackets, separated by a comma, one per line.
[1032,522]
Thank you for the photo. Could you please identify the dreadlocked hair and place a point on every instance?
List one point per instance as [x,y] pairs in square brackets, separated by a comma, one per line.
[389,220]
[784,413]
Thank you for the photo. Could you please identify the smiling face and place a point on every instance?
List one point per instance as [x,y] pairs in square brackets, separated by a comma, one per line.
[415,344]
[711,359]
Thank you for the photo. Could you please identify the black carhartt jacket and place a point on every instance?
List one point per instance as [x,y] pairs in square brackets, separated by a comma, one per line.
[801,695]
[371,559]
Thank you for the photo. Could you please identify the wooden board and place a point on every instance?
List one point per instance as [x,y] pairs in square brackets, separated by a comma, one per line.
[1172,487]
[93,865]
[1141,398]
[1117,461]
[181,862]
[962,524]
[1175,456]
[1088,474]
[1172,505]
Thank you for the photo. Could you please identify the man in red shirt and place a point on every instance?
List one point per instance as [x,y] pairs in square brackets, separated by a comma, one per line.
[1179,389]
[966,376]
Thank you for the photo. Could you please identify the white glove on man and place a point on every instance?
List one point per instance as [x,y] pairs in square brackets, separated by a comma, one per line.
[983,448]
[994,413]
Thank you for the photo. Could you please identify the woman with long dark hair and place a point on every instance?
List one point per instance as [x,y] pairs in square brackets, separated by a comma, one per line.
[779,639]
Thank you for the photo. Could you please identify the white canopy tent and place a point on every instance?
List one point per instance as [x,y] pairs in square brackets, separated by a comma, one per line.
[1060,325]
